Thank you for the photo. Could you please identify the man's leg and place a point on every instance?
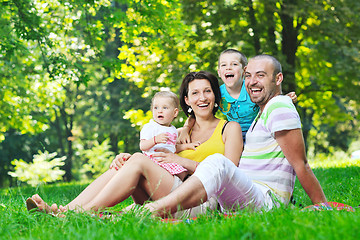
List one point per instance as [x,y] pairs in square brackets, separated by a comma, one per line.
[232,187]
[189,194]
[215,176]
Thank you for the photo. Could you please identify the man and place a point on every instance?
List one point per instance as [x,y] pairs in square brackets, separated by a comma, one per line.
[274,154]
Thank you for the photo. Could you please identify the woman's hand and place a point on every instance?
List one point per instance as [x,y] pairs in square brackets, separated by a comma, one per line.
[119,161]
[187,146]
[166,157]
[184,136]
[169,157]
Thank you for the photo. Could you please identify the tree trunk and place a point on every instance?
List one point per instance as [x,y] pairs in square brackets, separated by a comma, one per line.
[289,45]
[254,26]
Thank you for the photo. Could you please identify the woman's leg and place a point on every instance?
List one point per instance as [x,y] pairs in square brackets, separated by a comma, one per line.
[139,172]
[140,196]
[84,197]
[92,190]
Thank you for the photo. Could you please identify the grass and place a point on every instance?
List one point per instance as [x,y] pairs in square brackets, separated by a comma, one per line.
[340,181]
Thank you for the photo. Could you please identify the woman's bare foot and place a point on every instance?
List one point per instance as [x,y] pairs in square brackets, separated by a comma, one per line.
[40,203]
[36,202]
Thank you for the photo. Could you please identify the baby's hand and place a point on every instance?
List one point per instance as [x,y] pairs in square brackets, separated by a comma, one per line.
[161,138]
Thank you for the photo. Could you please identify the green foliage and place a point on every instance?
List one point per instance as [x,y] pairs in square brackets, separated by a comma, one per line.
[138,118]
[75,70]
[43,169]
[98,159]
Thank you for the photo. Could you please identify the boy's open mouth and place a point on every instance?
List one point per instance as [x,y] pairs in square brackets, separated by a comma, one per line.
[229,75]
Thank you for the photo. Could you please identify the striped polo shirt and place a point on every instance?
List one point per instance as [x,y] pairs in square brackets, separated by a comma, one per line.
[262,159]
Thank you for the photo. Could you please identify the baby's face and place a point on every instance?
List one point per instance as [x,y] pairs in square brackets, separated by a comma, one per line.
[163,110]
[230,69]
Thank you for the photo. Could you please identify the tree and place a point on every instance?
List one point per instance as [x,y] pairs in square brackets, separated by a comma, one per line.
[76,43]
[319,63]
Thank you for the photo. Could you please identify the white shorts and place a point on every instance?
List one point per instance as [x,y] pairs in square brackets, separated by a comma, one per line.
[230,186]
[211,204]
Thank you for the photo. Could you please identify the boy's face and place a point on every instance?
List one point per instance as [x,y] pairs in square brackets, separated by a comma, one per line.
[230,69]
[163,110]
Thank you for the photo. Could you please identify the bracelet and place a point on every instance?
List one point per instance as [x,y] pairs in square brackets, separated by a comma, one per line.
[155,140]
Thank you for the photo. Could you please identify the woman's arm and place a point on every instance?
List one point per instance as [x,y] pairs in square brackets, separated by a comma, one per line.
[184,136]
[233,140]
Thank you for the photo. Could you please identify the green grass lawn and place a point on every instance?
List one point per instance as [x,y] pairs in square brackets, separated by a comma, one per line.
[340,181]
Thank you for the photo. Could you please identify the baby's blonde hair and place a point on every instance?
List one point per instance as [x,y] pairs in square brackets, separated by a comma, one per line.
[168,94]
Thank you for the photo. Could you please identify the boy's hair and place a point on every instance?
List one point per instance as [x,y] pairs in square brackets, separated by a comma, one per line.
[184,89]
[243,59]
[168,94]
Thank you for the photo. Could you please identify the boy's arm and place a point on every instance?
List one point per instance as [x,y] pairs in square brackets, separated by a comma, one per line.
[293,147]
[184,136]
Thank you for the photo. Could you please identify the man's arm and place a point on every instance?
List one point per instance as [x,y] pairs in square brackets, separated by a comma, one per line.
[293,147]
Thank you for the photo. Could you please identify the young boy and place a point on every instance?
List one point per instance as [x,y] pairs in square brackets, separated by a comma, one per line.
[159,134]
[235,104]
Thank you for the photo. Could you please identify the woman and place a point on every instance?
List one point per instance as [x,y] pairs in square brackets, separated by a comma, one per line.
[140,177]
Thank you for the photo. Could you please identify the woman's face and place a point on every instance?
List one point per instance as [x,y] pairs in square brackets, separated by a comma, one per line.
[201,97]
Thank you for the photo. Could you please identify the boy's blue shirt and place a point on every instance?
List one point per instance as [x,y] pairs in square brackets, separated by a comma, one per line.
[241,110]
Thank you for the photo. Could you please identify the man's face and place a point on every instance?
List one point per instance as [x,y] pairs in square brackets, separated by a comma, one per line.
[260,82]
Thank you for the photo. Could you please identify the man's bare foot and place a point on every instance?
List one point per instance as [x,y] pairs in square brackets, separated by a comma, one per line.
[128,208]
[152,209]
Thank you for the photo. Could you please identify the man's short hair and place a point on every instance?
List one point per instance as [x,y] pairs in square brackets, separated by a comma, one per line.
[275,62]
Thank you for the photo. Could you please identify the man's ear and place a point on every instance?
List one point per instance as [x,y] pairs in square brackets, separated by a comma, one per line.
[279,78]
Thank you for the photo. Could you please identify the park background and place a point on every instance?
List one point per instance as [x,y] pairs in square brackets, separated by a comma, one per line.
[76,82]
[77,76]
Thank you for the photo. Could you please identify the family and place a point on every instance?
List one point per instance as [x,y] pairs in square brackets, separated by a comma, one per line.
[249,161]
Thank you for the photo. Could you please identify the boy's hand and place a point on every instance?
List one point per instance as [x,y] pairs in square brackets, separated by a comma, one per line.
[293,96]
